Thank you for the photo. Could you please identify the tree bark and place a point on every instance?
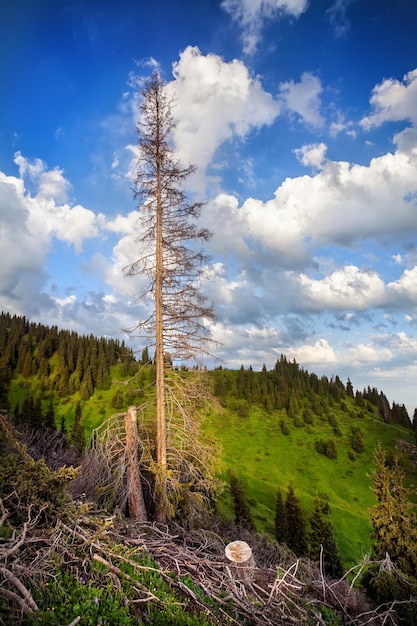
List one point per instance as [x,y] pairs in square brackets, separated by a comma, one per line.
[240,562]
[136,503]
[161,444]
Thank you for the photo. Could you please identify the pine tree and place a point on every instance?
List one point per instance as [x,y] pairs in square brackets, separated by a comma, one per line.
[297,533]
[393,518]
[5,377]
[331,450]
[117,400]
[145,357]
[77,437]
[281,527]
[49,421]
[321,537]
[241,506]
[358,443]
[87,388]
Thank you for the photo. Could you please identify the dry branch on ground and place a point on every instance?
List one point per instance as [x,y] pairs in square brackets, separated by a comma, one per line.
[284,589]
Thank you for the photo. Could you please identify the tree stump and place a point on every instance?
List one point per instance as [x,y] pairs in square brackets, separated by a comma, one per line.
[240,562]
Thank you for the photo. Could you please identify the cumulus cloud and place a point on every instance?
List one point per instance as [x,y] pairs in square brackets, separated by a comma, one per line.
[303,98]
[393,100]
[346,288]
[369,353]
[313,155]
[33,211]
[215,101]
[49,213]
[251,14]
[320,352]
[341,205]
[404,290]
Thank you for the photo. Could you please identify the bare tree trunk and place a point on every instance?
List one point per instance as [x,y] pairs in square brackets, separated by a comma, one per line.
[161,444]
[170,260]
[136,502]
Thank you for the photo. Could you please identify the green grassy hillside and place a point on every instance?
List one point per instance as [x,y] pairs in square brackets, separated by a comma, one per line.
[265,459]
[275,428]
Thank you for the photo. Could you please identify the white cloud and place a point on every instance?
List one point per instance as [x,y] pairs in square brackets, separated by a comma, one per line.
[64,301]
[251,14]
[123,224]
[228,240]
[313,155]
[215,101]
[320,352]
[340,205]
[404,290]
[30,220]
[346,288]
[338,18]
[303,98]
[368,353]
[393,100]
[22,252]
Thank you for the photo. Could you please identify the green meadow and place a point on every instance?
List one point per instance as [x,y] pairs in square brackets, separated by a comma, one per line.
[264,458]
[267,460]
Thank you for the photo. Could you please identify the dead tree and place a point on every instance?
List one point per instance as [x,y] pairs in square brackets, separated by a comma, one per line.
[169,258]
[136,503]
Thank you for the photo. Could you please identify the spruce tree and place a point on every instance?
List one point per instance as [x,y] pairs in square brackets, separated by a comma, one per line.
[49,420]
[241,506]
[63,427]
[281,527]
[87,387]
[117,400]
[393,517]
[145,357]
[103,379]
[297,533]
[358,443]
[331,450]
[5,377]
[77,437]
[63,387]
[321,537]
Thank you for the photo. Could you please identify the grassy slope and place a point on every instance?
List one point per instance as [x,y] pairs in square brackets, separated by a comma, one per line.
[266,460]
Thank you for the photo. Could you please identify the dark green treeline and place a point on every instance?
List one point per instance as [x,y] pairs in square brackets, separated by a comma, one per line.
[62,361]
[302,395]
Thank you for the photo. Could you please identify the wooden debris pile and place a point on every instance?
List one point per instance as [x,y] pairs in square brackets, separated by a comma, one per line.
[282,590]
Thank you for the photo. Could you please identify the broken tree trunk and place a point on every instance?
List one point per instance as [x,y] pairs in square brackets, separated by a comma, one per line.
[136,503]
[240,562]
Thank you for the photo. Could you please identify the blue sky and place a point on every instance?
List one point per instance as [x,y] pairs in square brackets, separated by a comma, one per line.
[301,117]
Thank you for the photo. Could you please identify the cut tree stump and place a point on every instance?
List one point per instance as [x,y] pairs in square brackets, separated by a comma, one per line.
[240,562]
